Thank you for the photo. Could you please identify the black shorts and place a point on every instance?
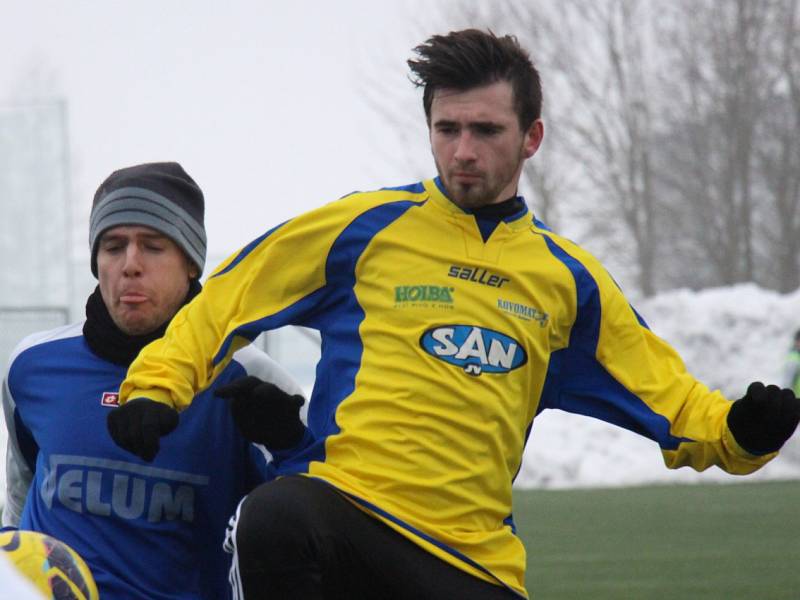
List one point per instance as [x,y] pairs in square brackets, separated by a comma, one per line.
[299,538]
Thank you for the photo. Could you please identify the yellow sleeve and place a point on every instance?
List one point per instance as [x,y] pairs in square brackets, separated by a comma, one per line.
[616,369]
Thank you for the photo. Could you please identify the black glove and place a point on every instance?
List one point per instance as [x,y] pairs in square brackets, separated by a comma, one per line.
[138,424]
[264,413]
[764,418]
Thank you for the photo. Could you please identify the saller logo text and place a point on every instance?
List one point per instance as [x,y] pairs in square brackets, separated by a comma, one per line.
[477,275]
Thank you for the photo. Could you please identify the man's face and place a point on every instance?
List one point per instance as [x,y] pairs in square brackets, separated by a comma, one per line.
[144,277]
[478,145]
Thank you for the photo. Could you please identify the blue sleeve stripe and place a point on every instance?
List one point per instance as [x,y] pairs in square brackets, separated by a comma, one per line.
[248,249]
[339,273]
[576,381]
[414,188]
[451,551]
[586,329]
[288,316]
[540,225]
[348,247]
[338,324]
[335,312]
[639,318]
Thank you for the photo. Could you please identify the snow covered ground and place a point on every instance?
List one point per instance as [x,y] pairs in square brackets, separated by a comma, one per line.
[728,337]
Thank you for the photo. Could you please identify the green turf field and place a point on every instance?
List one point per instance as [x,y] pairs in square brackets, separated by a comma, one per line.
[726,542]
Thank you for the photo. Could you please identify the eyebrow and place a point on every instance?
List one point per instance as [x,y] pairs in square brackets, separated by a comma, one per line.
[469,124]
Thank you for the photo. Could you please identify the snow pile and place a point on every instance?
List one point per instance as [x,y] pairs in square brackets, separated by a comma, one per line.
[727,337]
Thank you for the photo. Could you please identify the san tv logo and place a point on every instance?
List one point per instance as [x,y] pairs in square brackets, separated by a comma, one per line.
[475,349]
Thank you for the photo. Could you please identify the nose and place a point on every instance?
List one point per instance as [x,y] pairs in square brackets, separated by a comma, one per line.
[465,148]
[133,261]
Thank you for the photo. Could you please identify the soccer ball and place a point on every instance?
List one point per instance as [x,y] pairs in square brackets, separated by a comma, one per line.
[52,566]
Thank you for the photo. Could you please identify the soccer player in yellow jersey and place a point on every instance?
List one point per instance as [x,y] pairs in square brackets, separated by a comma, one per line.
[450,317]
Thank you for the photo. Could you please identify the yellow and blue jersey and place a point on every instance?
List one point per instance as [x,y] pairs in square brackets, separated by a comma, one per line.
[439,348]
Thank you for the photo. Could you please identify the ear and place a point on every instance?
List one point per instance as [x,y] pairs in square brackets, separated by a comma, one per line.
[533,138]
[194,272]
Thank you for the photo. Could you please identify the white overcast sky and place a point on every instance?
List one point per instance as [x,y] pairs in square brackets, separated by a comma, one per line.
[260,101]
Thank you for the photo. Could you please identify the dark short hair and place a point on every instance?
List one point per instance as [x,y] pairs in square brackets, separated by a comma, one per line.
[471,58]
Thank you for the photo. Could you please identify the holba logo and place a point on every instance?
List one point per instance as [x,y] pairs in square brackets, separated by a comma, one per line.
[474,349]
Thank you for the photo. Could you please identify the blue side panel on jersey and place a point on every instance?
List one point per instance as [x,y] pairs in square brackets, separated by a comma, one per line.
[576,382]
[27,445]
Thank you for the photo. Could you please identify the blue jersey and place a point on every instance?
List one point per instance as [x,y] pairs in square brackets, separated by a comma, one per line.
[147,530]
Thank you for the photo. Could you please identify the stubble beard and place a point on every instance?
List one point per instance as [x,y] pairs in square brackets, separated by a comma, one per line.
[471,195]
[482,193]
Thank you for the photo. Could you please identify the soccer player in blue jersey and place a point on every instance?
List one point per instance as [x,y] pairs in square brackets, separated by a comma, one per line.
[148,530]
[450,317]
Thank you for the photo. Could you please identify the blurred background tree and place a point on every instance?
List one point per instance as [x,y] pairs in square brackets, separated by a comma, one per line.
[671,146]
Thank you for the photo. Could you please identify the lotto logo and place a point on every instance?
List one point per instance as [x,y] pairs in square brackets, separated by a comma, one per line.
[110,399]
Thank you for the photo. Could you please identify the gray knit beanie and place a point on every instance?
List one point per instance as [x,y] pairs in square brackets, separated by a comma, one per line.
[161,196]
